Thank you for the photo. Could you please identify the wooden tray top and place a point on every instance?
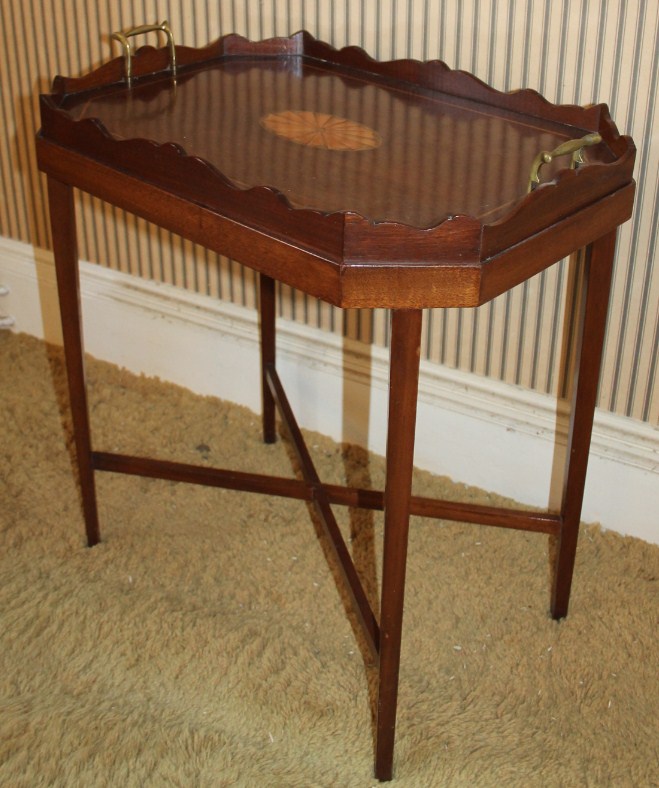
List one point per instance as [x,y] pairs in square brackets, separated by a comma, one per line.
[368,167]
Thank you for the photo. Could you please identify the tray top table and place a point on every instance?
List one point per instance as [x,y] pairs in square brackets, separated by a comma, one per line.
[399,185]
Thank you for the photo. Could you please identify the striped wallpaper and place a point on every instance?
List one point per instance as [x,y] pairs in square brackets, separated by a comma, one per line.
[572,51]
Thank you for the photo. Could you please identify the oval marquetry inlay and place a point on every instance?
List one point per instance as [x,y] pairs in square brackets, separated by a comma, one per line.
[319,130]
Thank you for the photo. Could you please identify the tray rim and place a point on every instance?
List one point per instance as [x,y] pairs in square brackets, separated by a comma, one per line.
[464,239]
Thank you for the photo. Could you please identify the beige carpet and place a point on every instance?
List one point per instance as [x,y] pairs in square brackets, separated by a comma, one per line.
[204,643]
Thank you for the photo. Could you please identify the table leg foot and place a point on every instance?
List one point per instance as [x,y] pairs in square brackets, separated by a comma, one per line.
[62,213]
[403,388]
[267,327]
[597,274]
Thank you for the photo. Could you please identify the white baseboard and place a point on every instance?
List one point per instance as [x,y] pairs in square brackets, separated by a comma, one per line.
[472,429]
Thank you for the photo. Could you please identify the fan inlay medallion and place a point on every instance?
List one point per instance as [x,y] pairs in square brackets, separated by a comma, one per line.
[319,130]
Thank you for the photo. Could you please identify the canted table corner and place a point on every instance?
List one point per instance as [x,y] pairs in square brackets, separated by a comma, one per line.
[399,185]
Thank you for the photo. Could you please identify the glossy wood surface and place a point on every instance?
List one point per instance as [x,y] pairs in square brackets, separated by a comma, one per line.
[403,187]
[364,184]
[438,156]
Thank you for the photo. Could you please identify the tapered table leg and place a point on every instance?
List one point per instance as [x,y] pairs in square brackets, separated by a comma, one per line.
[65,247]
[267,310]
[403,387]
[597,274]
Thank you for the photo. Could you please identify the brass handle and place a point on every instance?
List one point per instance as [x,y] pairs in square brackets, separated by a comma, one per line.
[574,147]
[122,38]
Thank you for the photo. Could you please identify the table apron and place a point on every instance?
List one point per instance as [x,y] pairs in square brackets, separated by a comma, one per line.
[346,285]
[518,263]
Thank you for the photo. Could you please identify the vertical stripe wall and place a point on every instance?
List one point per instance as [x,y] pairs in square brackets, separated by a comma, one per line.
[572,51]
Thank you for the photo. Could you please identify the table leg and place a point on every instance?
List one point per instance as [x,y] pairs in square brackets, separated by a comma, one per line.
[597,274]
[267,309]
[403,387]
[65,247]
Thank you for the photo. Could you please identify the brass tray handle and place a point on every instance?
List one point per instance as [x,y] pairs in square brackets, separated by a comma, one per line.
[574,147]
[122,38]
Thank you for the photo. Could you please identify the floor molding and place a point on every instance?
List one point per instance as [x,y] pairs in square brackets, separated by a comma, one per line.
[473,429]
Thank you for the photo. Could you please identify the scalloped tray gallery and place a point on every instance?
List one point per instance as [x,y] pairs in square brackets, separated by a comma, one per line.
[364,183]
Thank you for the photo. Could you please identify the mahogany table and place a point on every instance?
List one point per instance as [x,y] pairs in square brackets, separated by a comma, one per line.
[398,185]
